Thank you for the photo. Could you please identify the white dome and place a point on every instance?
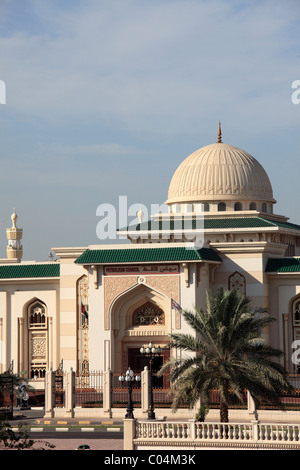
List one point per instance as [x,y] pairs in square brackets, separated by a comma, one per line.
[219,172]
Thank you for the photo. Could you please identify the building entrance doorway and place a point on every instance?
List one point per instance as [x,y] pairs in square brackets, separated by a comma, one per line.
[137,362]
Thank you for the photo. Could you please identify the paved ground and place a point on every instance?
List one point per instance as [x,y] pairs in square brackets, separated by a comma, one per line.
[35,417]
[72,444]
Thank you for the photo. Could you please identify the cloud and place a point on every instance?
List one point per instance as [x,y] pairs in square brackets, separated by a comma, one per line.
[148,62]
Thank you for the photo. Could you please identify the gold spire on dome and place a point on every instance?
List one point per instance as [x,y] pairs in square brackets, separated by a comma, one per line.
[219,134]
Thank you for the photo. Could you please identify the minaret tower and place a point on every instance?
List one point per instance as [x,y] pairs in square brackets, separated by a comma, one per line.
[14,235]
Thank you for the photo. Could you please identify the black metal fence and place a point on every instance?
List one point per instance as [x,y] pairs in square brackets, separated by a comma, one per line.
[89,393]
[59,392]
[89,389]
[6,397]
[119,392]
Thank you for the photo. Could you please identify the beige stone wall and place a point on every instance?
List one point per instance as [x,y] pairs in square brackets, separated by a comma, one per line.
[67,338]
[15,297]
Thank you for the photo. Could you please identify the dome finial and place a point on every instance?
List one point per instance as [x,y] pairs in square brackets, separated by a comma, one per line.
[219,134]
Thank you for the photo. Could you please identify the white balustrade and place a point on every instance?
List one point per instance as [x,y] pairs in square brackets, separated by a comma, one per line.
[197,432]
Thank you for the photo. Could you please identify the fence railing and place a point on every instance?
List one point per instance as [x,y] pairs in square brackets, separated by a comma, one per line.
[119,392]
[89,389]
[95,389]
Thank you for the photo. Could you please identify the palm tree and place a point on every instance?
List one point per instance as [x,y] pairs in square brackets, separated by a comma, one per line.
[228,352]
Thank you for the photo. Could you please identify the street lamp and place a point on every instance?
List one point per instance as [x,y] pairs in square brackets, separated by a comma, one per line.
[151,352]
[129,378]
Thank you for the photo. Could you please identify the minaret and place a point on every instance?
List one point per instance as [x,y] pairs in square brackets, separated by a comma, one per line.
[14,235]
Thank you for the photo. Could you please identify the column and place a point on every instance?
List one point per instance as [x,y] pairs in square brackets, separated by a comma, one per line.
[21,345]
[70,393]
[107,392]
[145,402]
[49,394]
[285,317]
[50,343]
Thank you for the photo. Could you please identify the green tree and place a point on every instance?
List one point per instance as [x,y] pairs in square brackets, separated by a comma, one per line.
[226,352]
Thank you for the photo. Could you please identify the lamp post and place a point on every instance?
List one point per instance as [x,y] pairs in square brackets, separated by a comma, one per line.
[129,378]
[151,352]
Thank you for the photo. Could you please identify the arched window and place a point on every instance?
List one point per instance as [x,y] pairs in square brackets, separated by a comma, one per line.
[296,326]
[296,312]
[264,207]
[206,207]
[252,206]
[237,281]
[37,339]
[238,206]
[148,314]
[221,206]
[37,316]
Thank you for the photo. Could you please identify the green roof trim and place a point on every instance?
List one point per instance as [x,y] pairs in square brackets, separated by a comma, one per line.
[214,223]
[142,255]
[283,265]
[12,271]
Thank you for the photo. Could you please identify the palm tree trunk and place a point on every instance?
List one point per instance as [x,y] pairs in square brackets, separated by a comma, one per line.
[224,403]
[223,412]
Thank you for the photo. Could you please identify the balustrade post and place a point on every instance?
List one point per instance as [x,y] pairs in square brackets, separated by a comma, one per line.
[255,423]
[49,393]
[192,428]
[129,433]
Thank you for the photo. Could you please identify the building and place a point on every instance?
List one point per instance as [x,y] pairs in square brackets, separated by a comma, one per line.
[95,306]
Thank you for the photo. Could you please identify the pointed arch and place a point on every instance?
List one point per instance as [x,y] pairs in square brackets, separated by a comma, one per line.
[34,339]
[83,339]
[125,335]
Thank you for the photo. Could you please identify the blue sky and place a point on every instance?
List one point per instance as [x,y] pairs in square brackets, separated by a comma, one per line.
[107,97]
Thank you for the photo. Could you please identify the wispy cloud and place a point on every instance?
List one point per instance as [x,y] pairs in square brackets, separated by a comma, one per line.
[113,95]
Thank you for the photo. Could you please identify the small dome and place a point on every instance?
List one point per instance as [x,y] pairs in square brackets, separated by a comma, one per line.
[219,172]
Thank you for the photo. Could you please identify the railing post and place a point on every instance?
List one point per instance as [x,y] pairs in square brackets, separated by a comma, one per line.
[255,429]
[107,392]
[145,403]
[49,394]
[192,428]
[70,393]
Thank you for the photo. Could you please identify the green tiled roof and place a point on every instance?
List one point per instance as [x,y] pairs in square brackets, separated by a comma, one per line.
[283,265]
[11,271]
[135,255]
[213,223]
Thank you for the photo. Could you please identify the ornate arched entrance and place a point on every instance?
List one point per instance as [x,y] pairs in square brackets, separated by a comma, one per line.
[139,315]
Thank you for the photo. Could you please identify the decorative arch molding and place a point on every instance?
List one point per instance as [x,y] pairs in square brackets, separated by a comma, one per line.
[124,305]
[115,290]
